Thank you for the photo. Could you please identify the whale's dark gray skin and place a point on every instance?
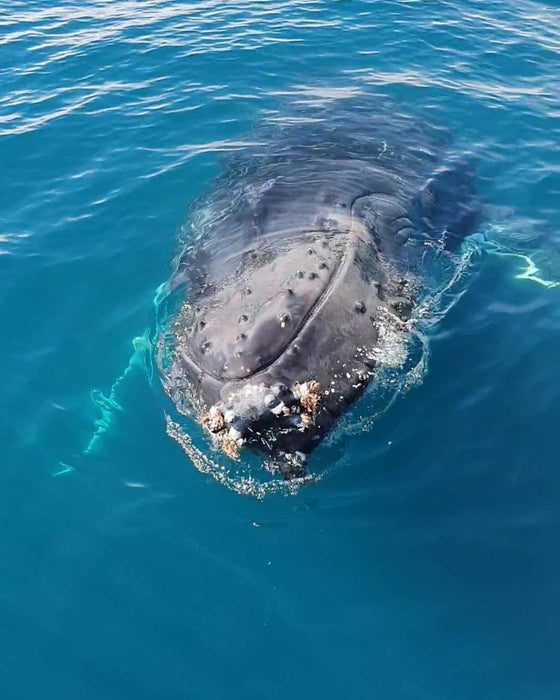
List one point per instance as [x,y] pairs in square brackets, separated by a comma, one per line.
[306,245]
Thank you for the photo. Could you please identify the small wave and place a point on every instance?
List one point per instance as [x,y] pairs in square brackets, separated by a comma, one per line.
[238,479]
[503,243]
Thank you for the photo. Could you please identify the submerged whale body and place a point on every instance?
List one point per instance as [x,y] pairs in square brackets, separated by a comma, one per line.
[303,255]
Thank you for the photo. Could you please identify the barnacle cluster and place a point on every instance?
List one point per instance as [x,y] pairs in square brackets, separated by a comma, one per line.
[267,407]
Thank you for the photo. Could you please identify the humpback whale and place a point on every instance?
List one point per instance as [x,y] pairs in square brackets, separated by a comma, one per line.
[301,257]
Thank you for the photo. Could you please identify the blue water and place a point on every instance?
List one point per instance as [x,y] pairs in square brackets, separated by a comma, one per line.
[425,566]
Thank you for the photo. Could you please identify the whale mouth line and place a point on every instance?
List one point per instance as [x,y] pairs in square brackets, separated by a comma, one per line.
[237,382]
[345,260]
[317,306]
[298,332]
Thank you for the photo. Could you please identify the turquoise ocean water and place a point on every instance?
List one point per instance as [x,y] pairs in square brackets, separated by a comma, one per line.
[424,565]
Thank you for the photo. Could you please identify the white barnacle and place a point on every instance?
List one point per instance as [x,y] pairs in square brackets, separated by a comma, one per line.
[229,415]
[236,435]
[278,409]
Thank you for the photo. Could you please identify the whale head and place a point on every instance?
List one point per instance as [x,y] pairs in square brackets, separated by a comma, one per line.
[304,263]
[272,353]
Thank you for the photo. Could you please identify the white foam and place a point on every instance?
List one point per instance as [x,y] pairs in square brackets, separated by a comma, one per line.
[390,349]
